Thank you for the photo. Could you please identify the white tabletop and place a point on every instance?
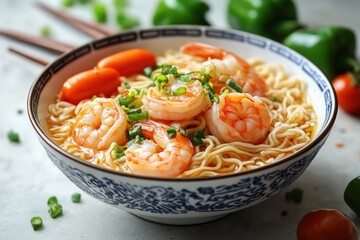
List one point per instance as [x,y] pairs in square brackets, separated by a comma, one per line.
[28,177]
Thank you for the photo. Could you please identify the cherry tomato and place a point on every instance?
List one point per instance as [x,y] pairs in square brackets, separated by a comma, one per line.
[326,224]
[347,88]
[129,62]
[90,83]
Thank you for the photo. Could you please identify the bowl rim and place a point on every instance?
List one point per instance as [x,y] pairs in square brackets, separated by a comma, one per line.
[41,133]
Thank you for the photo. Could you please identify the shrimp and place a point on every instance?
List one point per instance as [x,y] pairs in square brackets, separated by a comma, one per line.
[226,64]
[239,117]
[159,155]
[99,123]
[168,107]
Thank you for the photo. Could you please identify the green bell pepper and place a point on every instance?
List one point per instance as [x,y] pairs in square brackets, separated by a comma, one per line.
[352,195]
[274,19]
[171,12]
[331,48]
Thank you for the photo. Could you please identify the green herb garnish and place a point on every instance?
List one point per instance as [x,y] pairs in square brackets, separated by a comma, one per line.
[138,116]
[171,132]
[126,100]
[148,71]
[234,85]
[52,200]
[45,31]
[76,197]
[295,195]
[275,99]
[36,223]
[55,210]
[119,151]
[13,137]
[179,91]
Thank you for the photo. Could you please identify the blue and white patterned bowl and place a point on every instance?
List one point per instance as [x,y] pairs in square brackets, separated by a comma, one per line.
[181,201]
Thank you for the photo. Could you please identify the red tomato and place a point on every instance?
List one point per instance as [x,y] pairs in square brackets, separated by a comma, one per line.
[129,62]
[90,83]
[326,224]
[348,93]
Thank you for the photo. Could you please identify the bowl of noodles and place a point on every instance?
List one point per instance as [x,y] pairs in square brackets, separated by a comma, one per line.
[182,124]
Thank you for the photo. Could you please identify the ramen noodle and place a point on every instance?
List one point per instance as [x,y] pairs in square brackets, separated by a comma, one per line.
[202,112]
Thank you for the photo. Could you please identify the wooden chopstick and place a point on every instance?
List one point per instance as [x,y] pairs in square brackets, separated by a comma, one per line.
[28,56]
[42,42]
[92,29]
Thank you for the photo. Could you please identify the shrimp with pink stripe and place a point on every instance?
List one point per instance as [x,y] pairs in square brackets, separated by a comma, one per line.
[222,65]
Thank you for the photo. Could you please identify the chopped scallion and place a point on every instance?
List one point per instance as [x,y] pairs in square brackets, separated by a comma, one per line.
[185,78]
[76,197]
[171,132]
[126,100]
[13,137]
[52,200]
[179,91]
[119,151]
[183,131]
[127,85]
[45,31]
[36,223]
[138,116]
[234,85]
[134,132]
[55,210]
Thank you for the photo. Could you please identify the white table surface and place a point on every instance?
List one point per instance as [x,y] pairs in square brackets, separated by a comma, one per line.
[28,177]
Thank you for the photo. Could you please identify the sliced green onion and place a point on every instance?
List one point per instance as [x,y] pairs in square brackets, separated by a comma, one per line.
[125,100]
[127,85]
[45,31]
[13,137]
[99,12]
[119,151]
[169,69]
[76,197]
[138,116]
[148,71]
[234,85]
[133,110]
[93,98]
[199,133]
[179,91]
[225,91]
[36,223]
[161,80]
[52,200]
[185,78]
[171,132]
[183,131]
[55,210]
[134,132]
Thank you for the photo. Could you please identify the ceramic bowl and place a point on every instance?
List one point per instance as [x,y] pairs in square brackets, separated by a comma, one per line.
[181,201]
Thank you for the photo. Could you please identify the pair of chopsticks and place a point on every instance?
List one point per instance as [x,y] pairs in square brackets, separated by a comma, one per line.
[92,29]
